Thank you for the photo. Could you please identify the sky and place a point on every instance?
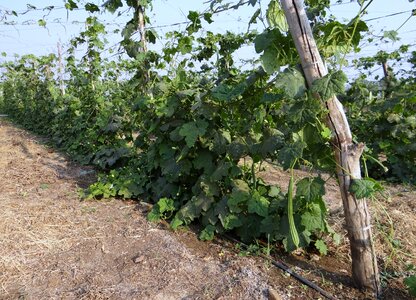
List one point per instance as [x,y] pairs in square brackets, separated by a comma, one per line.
[23,35]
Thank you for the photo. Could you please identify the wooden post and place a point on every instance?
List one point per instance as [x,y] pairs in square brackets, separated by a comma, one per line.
[347,154]
[60,70]
[142,28]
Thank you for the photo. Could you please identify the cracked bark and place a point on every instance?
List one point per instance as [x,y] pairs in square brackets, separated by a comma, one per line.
[347,154]
[142,28]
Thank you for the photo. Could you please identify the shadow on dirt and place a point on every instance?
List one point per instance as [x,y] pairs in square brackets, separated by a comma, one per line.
[51,157]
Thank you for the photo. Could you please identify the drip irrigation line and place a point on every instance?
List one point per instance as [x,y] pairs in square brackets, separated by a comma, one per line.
[274,262]
[287,269]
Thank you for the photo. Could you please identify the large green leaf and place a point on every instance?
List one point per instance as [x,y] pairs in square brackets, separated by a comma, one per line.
[258,204]
[236,150]
[270,60]
[363,188]
[204,161]
[411,284]
[340,37]
[276,16]
[314,218]
[310,189]
[239,196]
[221,171]
[292,82]
[251,228]
[278,49]
[270,225]
[330,85]
[321,246]
[225,92]
[288,154]
[231,221]
[192,209]
[208,233]
[192,130]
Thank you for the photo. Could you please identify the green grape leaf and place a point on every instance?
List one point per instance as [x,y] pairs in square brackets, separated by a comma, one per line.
[192,130]
[192,209]
[71,5]
[91,7]
[151,35]
[271,225]
[363,188]
[166,205]
[125,192]
[269,60]
[161,210]
[288,154]
[321,247]
[204,161]
[337,238]
[278,49]
[330,85]
[410,282]
[185,44]
[258,204]
[292,82]
[231,221]
[195,25]
[274,191]
[208,18]
[269,145]
[210,189]
[392,35]
[153,216]
[236,150]
[175,223]
[112,5]
[239,196]
[42,22]
[208,233]
[276,17]
[310,189]
[225,92]
[251,228]
[326,133]
[202,202]
[221,171]
[253,19]
[314,218]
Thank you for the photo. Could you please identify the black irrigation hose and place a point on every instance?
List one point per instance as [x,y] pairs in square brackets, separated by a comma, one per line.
[285,268]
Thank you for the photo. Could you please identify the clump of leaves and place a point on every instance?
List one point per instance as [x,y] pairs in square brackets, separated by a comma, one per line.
[410,282]
[179,139]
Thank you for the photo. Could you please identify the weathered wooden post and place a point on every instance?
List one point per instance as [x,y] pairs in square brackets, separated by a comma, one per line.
[347,154]
[141,26]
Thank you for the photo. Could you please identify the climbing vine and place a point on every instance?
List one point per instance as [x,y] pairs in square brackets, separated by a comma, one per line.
[186,128]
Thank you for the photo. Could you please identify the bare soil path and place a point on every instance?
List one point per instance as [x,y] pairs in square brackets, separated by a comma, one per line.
[55,246]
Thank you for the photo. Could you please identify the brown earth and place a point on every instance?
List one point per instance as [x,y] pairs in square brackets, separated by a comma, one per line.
[55,246]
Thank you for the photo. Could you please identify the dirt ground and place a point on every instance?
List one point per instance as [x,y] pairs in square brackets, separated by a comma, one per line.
[55,246]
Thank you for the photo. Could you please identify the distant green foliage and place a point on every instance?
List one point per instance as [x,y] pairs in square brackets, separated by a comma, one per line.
[187,129]
[382,114]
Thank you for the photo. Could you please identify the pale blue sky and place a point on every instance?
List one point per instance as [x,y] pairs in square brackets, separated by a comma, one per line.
[27,37]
